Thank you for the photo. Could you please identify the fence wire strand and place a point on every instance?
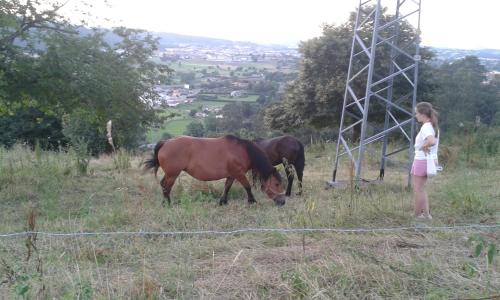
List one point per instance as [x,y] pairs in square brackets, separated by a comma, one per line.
[417,228]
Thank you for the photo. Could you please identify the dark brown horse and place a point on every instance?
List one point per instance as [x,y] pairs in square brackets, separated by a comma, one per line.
[285,150]
[209,159]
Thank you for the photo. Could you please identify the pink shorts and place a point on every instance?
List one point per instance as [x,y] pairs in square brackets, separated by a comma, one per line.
[419,167]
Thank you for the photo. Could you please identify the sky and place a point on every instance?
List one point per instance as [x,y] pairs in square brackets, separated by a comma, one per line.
[444,23]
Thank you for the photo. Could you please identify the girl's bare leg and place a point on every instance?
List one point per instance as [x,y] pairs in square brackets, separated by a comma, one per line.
[421,200]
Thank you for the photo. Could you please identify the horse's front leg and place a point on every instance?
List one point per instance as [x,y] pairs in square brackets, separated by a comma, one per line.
[227,186]
[289,177]
[244,182]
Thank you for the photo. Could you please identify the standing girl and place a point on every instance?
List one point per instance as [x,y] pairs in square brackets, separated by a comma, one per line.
[426,144]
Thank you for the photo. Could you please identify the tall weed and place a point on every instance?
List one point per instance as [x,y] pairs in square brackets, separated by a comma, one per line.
[464,196]
[479,145]
[82,155]
[121,160]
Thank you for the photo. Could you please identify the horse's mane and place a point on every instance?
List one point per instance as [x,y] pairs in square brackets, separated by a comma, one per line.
[259,162]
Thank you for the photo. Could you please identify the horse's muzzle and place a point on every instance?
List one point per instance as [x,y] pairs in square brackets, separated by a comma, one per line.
[280,199]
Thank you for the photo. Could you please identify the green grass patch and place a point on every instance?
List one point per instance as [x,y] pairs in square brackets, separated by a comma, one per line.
[173,127]
[249,98]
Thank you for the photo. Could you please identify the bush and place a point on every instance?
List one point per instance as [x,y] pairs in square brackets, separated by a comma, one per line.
[31,126]
[166,136]
[79,127]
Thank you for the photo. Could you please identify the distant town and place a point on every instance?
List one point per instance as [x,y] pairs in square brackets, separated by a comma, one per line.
[225,72]
[205,72]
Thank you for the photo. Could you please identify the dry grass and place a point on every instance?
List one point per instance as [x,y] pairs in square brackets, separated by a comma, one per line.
[265,265]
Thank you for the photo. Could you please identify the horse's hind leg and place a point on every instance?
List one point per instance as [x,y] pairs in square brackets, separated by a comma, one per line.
[166,183]
[244,182]
[299,168]
[227,186]
[289,177]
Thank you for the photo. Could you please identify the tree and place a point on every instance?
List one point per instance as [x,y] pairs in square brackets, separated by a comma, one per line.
[47,67]
[315,98]
[187,77]
[237,115]
[195,128]
[463,93]
[193,112]
[112,82]
[211,124]
[19,18]
[23,25]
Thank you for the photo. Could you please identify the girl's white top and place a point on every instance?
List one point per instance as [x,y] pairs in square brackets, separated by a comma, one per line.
[426,131]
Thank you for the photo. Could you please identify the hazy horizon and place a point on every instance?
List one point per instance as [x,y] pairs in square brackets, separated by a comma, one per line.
[281,22]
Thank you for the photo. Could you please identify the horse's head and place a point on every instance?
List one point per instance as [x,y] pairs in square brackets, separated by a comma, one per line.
[273,188]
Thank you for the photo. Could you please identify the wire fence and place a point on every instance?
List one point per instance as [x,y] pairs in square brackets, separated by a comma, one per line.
[416,228]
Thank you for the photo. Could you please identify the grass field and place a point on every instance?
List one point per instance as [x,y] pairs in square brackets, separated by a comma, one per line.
[116,196]
[249,98]
[198,65]
[222,68]
[177,125]
[173,127]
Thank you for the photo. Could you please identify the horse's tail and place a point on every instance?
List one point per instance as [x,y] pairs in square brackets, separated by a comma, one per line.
[153,162]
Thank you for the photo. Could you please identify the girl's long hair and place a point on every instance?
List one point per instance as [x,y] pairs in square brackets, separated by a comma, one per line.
[426,109]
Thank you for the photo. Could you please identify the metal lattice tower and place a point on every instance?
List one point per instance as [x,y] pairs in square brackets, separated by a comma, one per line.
[382,79]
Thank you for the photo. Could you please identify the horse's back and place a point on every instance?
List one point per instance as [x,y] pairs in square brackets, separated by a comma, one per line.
[291,148]
[291,143]
[188,147]
[202,158]
[282,147]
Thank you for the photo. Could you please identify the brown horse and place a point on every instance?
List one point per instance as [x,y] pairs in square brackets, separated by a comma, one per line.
[209,159]
[285,150]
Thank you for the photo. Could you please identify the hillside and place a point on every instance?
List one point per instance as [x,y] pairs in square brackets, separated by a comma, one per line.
[172,40]
[116,198]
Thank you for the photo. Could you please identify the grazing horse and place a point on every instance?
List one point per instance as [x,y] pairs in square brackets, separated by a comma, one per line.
[285,150]
[209,159]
